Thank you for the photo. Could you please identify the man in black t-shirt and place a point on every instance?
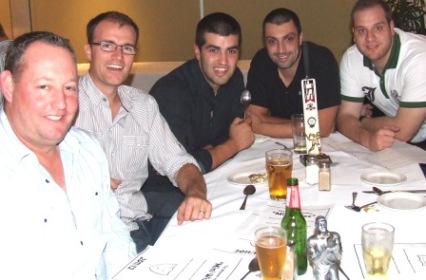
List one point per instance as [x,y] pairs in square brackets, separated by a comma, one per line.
[275,75]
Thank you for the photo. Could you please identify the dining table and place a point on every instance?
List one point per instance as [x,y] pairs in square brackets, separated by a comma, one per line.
[223,246]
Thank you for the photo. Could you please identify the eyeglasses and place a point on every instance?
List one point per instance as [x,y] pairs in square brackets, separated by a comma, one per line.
[110,47]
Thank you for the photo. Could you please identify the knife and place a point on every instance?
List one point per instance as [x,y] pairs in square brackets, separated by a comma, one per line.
[410,191]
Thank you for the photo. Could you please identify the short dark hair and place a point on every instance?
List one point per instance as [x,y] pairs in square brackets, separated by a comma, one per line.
[280,16]
[217,23]
[367,4]
[112,16]
[20,45]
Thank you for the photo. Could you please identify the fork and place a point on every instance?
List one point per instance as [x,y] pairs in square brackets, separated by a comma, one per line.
[283,145]
[353,206]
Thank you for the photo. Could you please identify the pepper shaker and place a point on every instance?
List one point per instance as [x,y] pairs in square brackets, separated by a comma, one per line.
[324,176]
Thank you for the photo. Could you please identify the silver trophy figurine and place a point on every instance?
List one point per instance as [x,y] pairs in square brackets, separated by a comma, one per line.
[324,251]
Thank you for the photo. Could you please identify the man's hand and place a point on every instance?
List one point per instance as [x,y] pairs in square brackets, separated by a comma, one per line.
[195,206]
[374,133]
[115,183]
[256,122]
[241,133]
[383,138]
[240,137]
[367,110]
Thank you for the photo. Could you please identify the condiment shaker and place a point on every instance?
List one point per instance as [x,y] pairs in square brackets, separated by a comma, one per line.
[311,170]
[324,176]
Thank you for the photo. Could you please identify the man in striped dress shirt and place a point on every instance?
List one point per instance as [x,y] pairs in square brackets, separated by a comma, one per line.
[131,130]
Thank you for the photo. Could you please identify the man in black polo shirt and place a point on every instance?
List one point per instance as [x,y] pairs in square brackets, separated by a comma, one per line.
[275,75]
[201,102]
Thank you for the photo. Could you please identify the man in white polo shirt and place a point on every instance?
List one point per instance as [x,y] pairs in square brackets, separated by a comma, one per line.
[388,66]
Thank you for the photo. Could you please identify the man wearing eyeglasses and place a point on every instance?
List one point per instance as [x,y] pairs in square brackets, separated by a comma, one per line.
[128,124]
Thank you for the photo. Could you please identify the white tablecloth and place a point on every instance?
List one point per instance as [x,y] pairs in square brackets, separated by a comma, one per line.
[230,228]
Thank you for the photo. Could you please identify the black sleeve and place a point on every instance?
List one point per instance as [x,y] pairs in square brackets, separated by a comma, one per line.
[175,101]
[256,82]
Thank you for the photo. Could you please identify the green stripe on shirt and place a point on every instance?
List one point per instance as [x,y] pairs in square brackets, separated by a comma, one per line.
[412,104]
[352,99]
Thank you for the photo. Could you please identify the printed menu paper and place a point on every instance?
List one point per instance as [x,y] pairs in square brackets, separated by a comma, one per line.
[408,261]
[227,259]
[161,264]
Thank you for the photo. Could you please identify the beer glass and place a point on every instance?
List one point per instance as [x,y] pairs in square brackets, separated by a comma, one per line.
[377,245]
[271,247]
[298,128]
[279,164]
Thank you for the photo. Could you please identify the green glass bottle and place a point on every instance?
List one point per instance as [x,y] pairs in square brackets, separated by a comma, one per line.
[295,224]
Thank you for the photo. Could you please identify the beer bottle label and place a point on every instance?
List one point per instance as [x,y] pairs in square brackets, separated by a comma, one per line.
[293,197]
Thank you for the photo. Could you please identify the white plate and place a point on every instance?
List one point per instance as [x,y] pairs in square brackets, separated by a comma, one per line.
[242,178]
[261,138]
[402,201]
[383,178]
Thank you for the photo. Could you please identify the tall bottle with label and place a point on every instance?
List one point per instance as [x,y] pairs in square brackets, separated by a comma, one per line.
[295,224]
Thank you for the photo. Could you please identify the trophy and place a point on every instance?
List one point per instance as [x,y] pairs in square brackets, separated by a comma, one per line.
[325,252]
[310,111]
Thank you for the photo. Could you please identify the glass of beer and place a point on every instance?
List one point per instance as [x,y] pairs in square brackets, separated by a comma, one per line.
[279,164]
[271,247]
[377,245]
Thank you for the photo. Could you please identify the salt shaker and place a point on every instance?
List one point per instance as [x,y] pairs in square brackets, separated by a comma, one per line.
[324,176]
[311,170]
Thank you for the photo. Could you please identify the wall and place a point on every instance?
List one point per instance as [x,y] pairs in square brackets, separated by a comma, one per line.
[167,26]
[325,22]
[5,18]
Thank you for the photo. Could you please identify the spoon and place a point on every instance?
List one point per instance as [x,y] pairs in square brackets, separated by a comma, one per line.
[253,266]
[248,190]
[245,99]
